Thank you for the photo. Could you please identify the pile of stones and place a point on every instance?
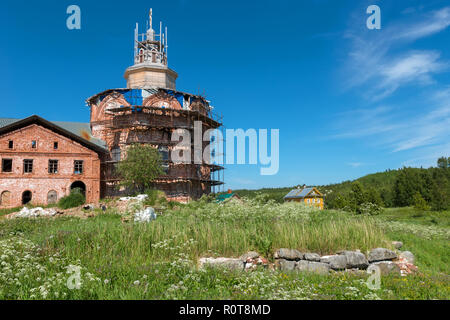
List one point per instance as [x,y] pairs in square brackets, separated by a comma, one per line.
[35,213]
[291,260]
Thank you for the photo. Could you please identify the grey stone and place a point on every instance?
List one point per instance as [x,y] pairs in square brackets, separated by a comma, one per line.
[288,254]
[397,244]
[408,256]
[286,265]
[336,262]
[355,271]
[312,266]
[355,260]
[249,255]
[386,267]
[381,254]
[226,263]
[312,257]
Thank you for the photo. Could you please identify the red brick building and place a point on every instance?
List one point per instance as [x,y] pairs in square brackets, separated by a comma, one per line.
[41,162]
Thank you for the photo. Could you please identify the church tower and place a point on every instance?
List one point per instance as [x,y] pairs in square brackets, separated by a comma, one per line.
[151,112]
[150,68]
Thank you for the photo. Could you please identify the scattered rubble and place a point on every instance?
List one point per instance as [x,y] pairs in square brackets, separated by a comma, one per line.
[407,256]
[146,215]
[35,212]
[89,207]
[140,198]
[405,266]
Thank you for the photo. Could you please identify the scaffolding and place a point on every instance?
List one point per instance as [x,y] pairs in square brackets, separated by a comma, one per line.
[136,124]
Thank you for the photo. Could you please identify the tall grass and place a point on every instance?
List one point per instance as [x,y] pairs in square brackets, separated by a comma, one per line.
[154,260]
[208,229]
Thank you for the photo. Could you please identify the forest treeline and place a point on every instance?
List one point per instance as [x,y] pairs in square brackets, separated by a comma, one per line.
[426,189]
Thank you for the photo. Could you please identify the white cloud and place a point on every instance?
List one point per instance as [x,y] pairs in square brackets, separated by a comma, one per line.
[374,60]
[382,62]
[355,164]
[436,22]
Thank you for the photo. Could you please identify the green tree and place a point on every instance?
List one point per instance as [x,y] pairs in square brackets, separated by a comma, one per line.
[419,202]
[358,193]
[142,165]
[443,162]
[341,202]
[357,196]
[373,196]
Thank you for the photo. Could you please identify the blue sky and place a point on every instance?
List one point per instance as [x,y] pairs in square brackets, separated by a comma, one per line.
[348,101]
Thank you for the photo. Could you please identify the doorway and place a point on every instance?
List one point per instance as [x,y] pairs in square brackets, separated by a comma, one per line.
[26,197]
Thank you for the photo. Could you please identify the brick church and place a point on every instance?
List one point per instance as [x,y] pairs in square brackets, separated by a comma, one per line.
[42,161]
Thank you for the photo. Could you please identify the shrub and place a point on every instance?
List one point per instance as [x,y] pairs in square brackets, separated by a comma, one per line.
[75,199]
[154,196]
[419,202]
[368,208]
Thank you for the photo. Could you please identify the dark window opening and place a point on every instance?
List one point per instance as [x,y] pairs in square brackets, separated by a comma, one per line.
[78,166]
[78,185]
[164,151]
[52,166]
[10,144]
[165,168]
[6,165]
[55,145]
[116,154]
[28,166]
[33,144]
[26,197]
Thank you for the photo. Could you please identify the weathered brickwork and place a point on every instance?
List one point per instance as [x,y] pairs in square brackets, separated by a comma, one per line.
[153,121]
[45,187]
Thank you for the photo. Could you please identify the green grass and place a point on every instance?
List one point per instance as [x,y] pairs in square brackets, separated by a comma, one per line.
[157,260]
[425,233]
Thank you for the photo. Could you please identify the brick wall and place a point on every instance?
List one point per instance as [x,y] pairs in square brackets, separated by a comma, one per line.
[40,182]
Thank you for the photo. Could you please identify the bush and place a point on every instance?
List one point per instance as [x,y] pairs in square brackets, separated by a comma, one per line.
[420,203]
[75,199]
[370,209]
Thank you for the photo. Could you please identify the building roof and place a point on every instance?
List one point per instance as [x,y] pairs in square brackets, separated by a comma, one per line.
[302,193]
[135,97]
[6,121]
[226,196]
[80,132]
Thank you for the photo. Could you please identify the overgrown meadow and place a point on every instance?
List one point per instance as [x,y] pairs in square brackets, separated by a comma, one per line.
[105,258]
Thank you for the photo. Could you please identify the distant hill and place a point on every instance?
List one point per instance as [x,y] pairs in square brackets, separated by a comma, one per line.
[378,180]
[391,188]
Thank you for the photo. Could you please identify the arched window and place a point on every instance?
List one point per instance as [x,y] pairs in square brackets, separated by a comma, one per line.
[52,197]
[27,196]
[78,185]
[5,199]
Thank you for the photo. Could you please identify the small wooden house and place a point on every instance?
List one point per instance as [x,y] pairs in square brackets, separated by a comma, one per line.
[309,195]
[227,196]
